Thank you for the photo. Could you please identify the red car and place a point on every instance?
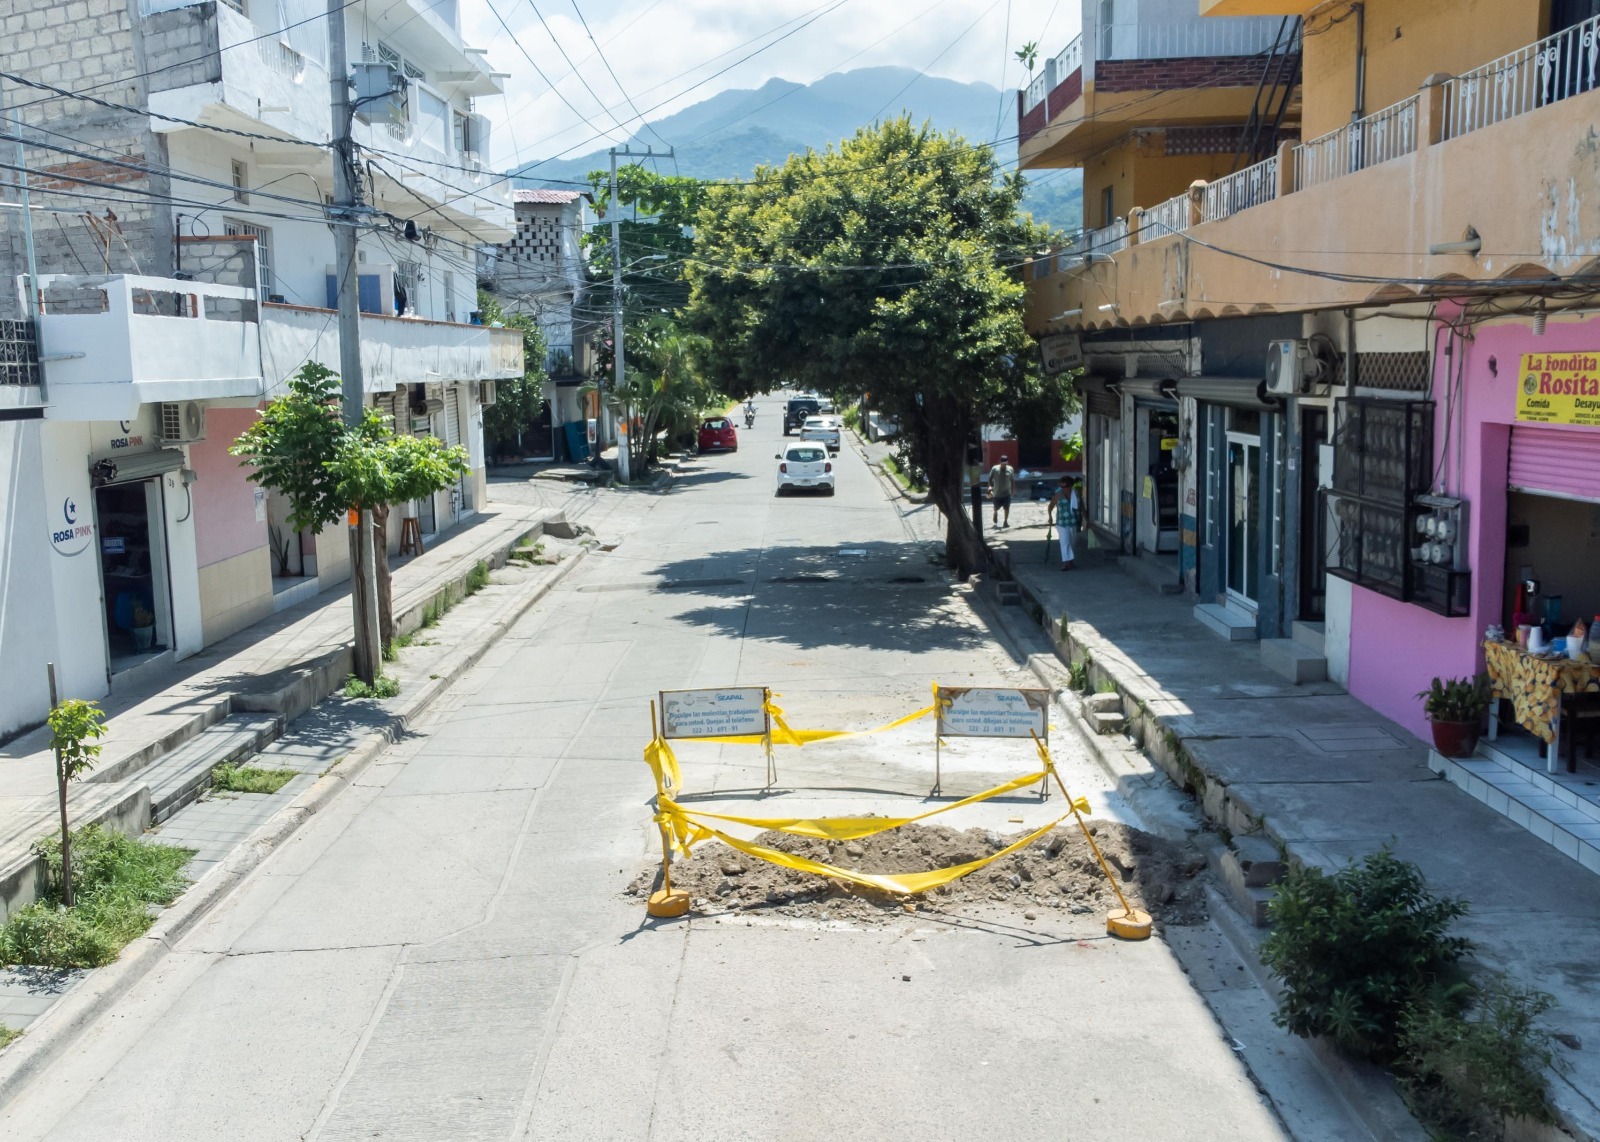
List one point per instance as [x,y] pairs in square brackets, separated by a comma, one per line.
[717,435]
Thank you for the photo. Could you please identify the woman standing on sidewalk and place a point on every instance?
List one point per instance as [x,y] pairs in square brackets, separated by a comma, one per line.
[1068,514]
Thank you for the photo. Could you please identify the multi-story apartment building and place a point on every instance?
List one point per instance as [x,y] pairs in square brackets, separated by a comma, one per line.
[542,273]
[1372,351]
[179,164]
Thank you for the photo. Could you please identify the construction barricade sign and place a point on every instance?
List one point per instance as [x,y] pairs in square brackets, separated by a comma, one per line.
[728,713]
[991,712]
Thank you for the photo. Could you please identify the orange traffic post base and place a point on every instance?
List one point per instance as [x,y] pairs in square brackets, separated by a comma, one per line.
[1128,923]
[668,903]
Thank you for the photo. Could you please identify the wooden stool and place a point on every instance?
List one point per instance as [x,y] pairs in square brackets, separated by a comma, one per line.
[411,536]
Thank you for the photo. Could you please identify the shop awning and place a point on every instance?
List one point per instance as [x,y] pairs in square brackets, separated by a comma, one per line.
[139,466]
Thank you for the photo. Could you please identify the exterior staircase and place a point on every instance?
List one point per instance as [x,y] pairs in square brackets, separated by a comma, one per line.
[1300,658]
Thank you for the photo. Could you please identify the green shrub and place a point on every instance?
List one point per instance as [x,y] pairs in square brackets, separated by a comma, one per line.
[387,686]
[1466,1073]
[1357,949]
[1078,675]
[478,577]
[114,878]
[249,779]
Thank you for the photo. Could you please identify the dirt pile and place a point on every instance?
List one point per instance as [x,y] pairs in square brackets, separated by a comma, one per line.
[1057,872]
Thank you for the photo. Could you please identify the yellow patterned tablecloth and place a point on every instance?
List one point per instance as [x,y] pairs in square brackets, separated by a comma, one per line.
[1534,685]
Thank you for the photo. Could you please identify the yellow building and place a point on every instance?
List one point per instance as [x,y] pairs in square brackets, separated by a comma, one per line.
[1371,338]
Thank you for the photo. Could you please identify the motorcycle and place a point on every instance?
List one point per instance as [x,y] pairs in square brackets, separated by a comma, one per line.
[749,418]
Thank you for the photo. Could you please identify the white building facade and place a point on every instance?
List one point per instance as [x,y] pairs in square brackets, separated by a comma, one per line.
[185,272]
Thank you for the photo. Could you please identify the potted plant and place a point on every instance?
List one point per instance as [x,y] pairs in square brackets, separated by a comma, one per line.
[1455,707]
[144,628]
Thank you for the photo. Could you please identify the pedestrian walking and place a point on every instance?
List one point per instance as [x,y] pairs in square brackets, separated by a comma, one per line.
[1067,511]
[1002,482]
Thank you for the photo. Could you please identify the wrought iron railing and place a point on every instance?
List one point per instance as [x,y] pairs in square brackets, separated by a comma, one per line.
[19,353]
[1555,68]
[1381,136]
[1241,190]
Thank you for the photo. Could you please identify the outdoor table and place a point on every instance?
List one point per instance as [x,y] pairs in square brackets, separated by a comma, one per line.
[1534,685]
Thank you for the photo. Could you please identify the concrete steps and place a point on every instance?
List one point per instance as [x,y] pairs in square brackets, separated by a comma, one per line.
[1160,575]
[1299,658]
[1247,868]
[1104,712]
[1227,621]
[179,778]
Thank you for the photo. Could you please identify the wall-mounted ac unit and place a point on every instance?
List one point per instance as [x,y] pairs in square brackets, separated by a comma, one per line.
[182,422]
[1292,367]
[486,393]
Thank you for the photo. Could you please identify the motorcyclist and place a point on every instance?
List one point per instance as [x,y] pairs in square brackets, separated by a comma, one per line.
[749,413]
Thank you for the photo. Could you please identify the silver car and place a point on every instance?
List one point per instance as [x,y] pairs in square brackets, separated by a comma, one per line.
[824,429]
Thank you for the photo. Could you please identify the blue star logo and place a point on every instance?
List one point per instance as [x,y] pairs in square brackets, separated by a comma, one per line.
[70,511]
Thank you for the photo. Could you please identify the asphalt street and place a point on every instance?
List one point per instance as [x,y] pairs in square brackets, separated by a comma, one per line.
[447,952]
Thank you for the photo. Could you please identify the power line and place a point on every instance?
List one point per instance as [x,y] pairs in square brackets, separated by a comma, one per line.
[612,72]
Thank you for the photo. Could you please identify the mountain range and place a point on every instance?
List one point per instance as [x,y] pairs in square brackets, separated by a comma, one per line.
[734,131]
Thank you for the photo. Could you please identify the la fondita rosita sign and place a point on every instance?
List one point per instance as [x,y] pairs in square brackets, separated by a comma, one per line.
[1560,388]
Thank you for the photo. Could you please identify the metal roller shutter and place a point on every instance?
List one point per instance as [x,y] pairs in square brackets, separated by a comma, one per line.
[1555,462]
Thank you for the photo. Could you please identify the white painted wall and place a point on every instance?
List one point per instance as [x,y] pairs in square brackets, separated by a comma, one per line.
[74,582]
[27,613]
[1336,629]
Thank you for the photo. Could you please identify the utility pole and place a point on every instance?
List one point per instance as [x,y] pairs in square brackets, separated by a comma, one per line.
[617,356]
[343,214]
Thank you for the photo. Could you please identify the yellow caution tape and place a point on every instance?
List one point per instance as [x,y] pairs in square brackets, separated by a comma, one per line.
[905,883]
[784,734]
[852,828]
[663,763]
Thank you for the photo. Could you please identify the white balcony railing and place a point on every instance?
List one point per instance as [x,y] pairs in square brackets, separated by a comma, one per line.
[1555,68]
[1107,239]
[1176,39]
[1056,69]
[144,340]
[1171,217]
[1241,190]
[1381,136]
[394,350]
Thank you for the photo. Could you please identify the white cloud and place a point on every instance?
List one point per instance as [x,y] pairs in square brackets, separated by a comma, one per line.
[667,53]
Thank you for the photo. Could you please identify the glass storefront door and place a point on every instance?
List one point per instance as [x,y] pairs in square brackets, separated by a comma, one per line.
[1244,517]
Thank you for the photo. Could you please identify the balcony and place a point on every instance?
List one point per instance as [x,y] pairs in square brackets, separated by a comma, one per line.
[1349,218]
[394,350]
[214,66]
[1119,76]
[114,343]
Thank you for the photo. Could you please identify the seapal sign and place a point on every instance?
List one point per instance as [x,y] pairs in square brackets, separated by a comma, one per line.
[1560,388]
[990,712]
[713,713]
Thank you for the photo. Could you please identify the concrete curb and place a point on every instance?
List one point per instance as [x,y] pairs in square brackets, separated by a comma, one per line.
[888,481]
[1367,1093]
[63,1024]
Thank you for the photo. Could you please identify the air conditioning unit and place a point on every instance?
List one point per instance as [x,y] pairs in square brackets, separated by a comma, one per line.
[486,393]
[182,422]
[1292,367]
[434,405]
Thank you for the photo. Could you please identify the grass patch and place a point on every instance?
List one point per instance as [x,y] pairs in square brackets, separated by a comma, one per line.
[8,1035]
[478,577]
[1105,686]
[114,880]
[387,686]
[892,466]
[249,779]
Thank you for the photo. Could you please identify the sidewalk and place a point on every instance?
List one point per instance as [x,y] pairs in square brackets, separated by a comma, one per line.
[1327,780]
[275,670]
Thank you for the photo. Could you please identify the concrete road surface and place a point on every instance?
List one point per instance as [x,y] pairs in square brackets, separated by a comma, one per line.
[447,953]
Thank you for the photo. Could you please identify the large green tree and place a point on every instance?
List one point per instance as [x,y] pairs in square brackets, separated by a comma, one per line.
[301,448]
[885,269]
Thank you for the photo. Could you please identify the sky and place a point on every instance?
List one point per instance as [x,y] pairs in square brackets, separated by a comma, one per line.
[669,54]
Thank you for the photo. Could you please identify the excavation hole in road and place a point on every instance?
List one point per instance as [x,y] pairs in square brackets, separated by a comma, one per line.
[692,584]
[803,579]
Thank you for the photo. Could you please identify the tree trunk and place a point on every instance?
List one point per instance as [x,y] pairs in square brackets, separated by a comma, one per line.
[380,550]
[944,460]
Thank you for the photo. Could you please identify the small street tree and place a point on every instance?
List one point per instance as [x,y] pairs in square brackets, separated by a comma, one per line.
[301,449]
[74,726]
[664,389]
[889,266]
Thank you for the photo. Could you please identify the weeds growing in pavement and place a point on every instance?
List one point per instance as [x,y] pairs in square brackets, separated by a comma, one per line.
[1105,686]
[387,686]
[114,879]
[8,1035]
[907,481]
[477,578]
[249,779]
[1078,675]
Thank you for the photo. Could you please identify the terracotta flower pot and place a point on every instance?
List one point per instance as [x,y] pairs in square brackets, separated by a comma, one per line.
[1455,739]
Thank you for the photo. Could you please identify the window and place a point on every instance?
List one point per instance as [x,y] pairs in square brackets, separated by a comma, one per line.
[449,296]
[407,286]
[1107,205]
[263,237]
[241,182]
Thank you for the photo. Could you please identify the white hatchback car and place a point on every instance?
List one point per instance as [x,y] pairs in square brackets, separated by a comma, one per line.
[823,428]
[805,465]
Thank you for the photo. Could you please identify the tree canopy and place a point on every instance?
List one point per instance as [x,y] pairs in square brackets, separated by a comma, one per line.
[887,271]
